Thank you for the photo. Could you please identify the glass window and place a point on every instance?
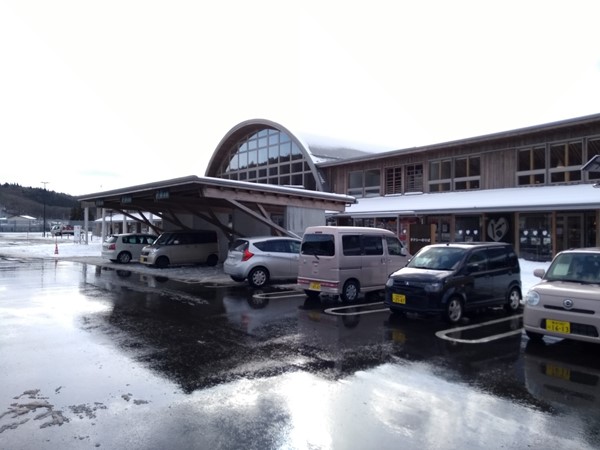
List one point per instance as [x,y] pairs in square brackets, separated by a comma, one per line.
[372,182]
[394,246]
[393,180]
[565,162]
[262,157]
[252,158]
[351,244]
[318,244]
[414,178]
[243,160]
[593,149]
[373,245]
[285,150]
[531,166]
[355,183]
[273,151]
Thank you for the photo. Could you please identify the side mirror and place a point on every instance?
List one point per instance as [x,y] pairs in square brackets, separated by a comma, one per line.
[539,273]
[403,251]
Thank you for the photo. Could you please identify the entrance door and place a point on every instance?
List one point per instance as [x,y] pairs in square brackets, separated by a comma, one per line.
[569,231]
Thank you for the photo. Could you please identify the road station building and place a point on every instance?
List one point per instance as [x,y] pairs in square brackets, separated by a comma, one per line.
[523,186]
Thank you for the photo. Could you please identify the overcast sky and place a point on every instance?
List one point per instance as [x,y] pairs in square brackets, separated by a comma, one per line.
[103,95]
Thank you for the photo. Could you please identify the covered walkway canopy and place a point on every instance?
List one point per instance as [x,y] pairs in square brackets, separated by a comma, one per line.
[207,197]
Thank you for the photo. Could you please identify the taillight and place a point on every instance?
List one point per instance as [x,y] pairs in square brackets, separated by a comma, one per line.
[247,255]
[112,246]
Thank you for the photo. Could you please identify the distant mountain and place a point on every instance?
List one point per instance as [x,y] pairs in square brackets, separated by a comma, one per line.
[18,200]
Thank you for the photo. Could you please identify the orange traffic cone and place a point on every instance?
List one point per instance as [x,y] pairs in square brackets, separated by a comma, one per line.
[56,248]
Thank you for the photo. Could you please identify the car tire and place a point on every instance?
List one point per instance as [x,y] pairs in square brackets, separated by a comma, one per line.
[534,337]
[514,301]
[237,279]
[124,257]
[162,262]
[258,277]
[454,310]
[350,291]
[312,295]
[212,260]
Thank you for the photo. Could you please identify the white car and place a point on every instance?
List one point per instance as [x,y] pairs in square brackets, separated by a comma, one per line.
[262,259]
[566,302]
[123,248]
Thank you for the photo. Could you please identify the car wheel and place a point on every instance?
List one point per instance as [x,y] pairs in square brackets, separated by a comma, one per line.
[238,279]
[162,262]
[258,277]
[514,301]
[534,337]
[454,310]
[124,257]
[350,291]
[212,260]
[312,295]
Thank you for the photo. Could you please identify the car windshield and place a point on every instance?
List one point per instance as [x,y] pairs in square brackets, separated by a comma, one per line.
[111,239]
[437,258]
[575,267]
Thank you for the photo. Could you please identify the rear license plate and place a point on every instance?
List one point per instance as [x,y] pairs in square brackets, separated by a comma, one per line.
[558,326]
[399,298]
[314,286]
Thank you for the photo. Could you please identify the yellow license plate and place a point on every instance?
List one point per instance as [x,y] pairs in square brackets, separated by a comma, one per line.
[558,326]
[399,298]
[563,373]
[314,286]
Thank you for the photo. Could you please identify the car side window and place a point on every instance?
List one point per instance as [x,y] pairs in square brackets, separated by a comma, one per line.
[394,246]
[351,244]
[477,262]
[294,247]
[373,245]
[497,258]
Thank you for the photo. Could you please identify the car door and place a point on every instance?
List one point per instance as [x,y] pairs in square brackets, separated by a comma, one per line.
[479,280]
[374,264]
[278,258]
[501,273]
[293,251]
[397,255]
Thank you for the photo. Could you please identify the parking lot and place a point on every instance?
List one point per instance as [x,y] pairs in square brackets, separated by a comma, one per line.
[103,356]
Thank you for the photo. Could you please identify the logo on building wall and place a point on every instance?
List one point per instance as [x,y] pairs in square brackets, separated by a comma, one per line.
[497,229]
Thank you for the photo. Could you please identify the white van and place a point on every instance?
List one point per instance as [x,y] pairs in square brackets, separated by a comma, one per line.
[346,261]
[182,247]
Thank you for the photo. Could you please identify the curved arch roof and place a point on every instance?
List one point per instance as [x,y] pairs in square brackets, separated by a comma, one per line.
[316,149]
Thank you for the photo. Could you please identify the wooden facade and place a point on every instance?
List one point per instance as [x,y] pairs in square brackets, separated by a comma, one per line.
[547,155]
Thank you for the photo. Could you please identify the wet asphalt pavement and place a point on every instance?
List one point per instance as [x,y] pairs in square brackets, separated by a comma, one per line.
[92,357]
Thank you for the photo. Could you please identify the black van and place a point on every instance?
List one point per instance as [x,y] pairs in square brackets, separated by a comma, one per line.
[450,279]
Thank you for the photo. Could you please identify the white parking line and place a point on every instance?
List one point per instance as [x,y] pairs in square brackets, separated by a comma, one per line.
[333,311]
[443,333]
[279,294]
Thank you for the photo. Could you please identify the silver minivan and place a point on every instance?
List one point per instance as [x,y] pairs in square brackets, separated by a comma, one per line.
[347,261]
[182,247]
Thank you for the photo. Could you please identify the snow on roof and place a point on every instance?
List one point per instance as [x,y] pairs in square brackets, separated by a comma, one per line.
[326,148]
[534,198]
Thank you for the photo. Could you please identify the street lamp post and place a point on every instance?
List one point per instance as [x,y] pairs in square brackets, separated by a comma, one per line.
[44,230]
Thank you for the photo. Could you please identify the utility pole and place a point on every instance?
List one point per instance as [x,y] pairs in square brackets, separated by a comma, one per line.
[44,230]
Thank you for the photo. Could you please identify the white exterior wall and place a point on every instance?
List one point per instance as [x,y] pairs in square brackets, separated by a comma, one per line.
[298,219]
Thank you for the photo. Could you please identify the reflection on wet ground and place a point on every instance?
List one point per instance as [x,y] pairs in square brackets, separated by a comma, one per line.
[298,373]
[203,336]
